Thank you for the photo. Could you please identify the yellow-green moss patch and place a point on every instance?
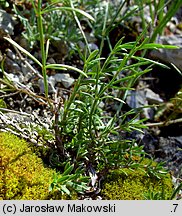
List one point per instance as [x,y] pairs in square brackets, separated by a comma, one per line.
[22,173]
[2,104]
[132,185]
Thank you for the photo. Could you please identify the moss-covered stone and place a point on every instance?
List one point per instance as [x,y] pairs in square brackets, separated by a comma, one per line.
[126,184]
[22,174]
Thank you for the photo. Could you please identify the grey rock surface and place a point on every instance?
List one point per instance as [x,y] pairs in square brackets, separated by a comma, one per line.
[170,56]
[6,24]
[143,97]
[152,97]
[65,79]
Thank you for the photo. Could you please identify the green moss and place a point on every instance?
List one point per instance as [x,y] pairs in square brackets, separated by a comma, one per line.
[126,184]
[2,104]
[22,174]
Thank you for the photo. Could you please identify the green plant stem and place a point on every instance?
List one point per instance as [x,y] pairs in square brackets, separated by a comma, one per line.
[161,9]
[112,23]
[80,27]
[141,6]
[172,10]
[173,195]
[71,99]
[42,48]
[104,28]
